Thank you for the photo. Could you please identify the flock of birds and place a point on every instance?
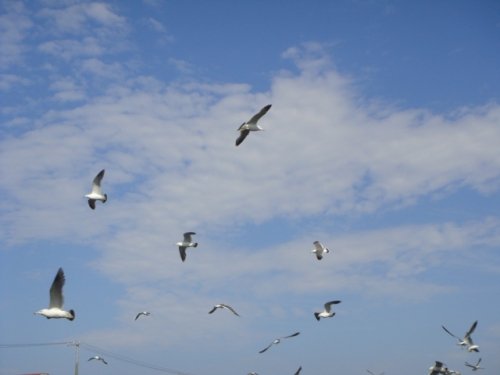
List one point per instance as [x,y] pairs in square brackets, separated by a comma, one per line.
[56,302]
[56,310]
[465,342]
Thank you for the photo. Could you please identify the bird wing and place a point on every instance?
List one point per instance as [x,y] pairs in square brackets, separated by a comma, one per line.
[92,203]
[231,309]
[328,305]
[292,335]
[469,365]
[478,361]
[96,184]
[243,135]
[368,371]
[298,371]
[318,246]
[261,113]
[471,329]
[138,315]
[102,359]
[263,350]
[187,236]
[56,296]
[213,309]
[182,252]
[449,333]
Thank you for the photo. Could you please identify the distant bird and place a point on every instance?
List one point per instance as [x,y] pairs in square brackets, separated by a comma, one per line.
[298,371]
[277,341]
[98,358]
[96,193]
[368,371]
[466,341]
[223,306]
[327,312]
[319,250]
[145,313]
[476,366]
[55,310]
[184,244]
[252,373]
[251,125]
[438,368]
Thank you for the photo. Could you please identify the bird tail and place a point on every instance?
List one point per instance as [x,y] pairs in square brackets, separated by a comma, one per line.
[73,315]
[316,315]
[105,198]
[195,244]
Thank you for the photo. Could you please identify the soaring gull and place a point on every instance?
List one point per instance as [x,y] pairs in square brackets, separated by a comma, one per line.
[466,341]
[277,341]
[327,312]
[251,125]
[319,250]
[476,366]
[145,313]
[223,306]
[185,243]
[98,358]
[96,193]
[55,310]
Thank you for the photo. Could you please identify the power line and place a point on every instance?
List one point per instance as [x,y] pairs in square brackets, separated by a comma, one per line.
[35,344]
[94,349]
[135,362]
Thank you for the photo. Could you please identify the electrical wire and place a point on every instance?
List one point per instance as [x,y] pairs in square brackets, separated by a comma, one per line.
[96,349]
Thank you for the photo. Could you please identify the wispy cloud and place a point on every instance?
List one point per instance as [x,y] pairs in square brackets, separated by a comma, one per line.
[14,27]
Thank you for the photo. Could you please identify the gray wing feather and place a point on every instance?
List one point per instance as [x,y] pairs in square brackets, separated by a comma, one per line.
[261,113]
[56,296]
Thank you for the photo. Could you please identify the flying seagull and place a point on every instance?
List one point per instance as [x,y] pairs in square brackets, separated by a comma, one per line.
[438,368]
[98,358]
[368,371]
[319,250]
[96,193]
[476,366]
[298,371]
[223,306]
[277,341]
[327,312]
[185,243]
[145,313]
[251,125]
[466,341]
[55,309]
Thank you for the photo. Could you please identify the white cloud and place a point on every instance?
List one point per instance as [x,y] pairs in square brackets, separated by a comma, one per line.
[72,18]
[14,27]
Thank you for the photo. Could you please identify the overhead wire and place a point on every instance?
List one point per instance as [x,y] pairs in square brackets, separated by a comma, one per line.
[96,349]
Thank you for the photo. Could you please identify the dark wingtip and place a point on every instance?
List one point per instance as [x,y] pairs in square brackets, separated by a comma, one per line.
[195,244]
[73,315]
[316,315]
[105,198]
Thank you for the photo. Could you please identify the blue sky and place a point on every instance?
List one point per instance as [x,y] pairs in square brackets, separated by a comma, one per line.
[382,143]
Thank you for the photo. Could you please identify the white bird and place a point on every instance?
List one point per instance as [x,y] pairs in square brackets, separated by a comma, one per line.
[327,312]
[98,358]
[251,125]
[438,368]
[185,243]
[55,310]
[96,193]
[319,250]
[145,313]
[368,371]
[277,341]
[223,306]
[476,366]
[466,341]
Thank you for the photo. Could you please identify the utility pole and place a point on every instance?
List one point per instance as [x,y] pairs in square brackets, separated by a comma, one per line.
[76,344]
